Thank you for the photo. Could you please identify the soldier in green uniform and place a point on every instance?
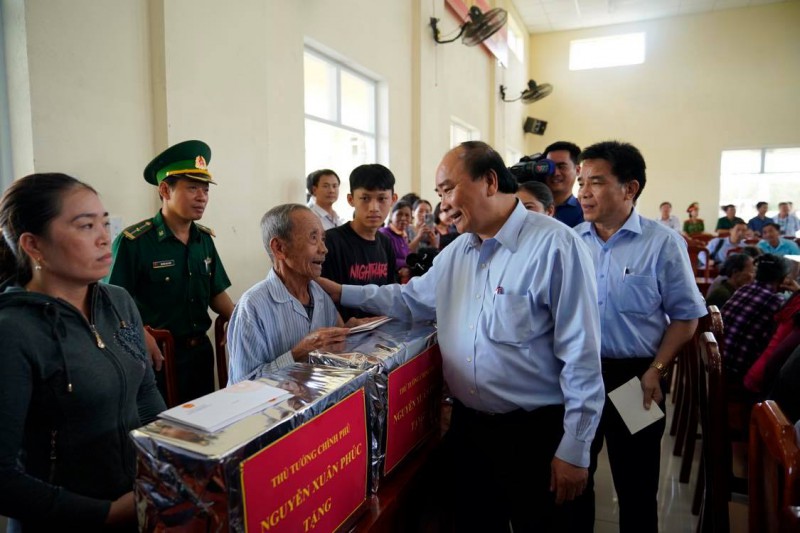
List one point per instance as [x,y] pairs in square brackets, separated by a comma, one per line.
[170,266]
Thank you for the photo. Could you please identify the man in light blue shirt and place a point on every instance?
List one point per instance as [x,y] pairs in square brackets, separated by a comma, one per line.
[649,305]
[774,244]
[281,319]
[786,220]
[515,301]
[719,247]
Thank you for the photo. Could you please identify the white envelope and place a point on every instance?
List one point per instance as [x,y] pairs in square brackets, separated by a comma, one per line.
[627,399]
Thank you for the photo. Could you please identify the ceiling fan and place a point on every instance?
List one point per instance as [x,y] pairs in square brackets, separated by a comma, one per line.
[477,29]
[533,93]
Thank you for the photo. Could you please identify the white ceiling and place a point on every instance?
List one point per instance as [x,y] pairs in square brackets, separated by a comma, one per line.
[541,16]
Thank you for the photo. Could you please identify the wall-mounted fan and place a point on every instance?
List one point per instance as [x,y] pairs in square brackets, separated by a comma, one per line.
[532,94]
[477,29]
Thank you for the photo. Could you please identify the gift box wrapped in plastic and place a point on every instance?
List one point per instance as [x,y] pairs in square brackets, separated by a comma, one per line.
[299,465]
[404,363]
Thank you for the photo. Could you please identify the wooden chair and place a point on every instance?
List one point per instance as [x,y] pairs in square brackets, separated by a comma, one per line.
[716,507]
[774,476]
[686,412]
[167,346]
[220,353]
[702,273]
[702,237]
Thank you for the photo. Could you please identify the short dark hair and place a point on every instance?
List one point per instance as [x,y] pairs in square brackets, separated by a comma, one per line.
[753,251]
[759,204]
[411,198]
[573,149]
[373,177]
[771,225]
[313,179]
[663,204]
[539,190]
[29,205]
[734,263]
[400,204]
[626,161]
[479,158]
[419,202]
[771,268]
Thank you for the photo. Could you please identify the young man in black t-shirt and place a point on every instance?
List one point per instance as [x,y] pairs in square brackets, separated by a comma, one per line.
[357,253]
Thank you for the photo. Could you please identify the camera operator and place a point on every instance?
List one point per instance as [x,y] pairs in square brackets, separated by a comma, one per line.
[565,156]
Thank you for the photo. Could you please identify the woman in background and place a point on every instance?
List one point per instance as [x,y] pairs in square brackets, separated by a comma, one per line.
[536,197]
[445,232]
[423,216]
[693,225]
[75,377]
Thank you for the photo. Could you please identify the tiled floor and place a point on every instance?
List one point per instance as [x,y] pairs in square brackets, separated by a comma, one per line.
[674,498]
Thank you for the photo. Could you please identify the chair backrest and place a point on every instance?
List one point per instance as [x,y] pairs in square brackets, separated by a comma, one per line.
[702,237]
[167,346]
[694,251]
[717,460]
[774,469]
[734,250]
[220,353]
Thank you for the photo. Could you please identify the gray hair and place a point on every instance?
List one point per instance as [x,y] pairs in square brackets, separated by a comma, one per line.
[277,222]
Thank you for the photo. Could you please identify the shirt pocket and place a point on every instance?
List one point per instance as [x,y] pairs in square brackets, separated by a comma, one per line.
[639,295]
[510,321]
[162,285]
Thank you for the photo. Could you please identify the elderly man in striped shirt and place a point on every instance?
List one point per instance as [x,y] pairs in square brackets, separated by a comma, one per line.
[287,315]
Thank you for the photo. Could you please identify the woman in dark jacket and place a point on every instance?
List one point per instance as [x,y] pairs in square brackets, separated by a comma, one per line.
[75,377]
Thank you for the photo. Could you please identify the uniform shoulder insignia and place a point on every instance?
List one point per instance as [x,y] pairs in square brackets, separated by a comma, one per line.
[138,229]
[205,229]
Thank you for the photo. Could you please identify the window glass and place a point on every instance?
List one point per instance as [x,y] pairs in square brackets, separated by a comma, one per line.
[782,160]
[320,88]
[765,175]
[340,125]
[603,52]
[358,102]
[741,161]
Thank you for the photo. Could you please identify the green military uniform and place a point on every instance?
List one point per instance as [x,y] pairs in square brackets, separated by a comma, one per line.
[172,284]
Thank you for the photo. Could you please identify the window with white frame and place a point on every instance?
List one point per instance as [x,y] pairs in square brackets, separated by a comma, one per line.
[461,132]
[515,39]
[340,120]
[759,175]
[603,52]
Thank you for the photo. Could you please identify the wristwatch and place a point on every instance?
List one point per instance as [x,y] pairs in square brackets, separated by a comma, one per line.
[661,367]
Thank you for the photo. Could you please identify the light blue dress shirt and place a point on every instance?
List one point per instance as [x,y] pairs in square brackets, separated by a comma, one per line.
[643,280]
[267,323]
[785,247]
[722,245]
[518,323]
[789,225]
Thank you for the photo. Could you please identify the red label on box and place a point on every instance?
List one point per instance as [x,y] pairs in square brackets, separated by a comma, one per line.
[414,401]
[312,479]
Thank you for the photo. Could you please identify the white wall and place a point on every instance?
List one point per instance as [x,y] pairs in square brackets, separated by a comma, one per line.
[113,83]
[712,81]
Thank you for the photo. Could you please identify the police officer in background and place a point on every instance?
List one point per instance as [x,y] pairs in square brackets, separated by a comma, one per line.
[170,266]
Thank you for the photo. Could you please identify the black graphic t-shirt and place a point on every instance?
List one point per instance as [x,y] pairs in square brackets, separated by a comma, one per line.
[353,260]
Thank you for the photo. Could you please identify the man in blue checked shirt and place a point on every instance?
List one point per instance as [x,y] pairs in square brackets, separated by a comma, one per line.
[649,305]
[515,301]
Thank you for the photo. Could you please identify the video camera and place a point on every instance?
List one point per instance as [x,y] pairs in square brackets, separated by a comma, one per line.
[534,167]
